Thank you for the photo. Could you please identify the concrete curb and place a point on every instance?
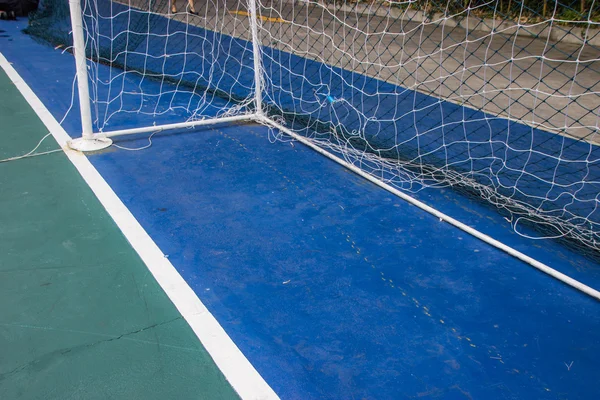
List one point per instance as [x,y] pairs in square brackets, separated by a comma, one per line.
[540,30]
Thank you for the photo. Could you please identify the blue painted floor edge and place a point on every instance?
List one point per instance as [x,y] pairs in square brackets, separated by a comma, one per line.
[333,287]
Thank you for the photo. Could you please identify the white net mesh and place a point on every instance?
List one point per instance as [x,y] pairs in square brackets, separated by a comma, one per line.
[498,99]
[502,104]
[177,60]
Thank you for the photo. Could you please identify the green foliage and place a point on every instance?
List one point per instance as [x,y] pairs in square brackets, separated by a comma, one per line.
[530,10]
[572,15]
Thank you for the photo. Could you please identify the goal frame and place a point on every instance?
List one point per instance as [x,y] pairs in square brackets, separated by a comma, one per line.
[91,141]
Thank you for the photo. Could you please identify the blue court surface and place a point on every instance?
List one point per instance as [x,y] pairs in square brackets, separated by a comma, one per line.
[331,286]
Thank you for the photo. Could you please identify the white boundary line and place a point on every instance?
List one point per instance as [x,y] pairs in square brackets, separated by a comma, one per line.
[443,217]
[244,378]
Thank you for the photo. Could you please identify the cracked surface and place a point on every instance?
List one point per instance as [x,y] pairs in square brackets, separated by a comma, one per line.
[81,317]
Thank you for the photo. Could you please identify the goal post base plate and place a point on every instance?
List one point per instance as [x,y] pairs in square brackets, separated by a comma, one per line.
[88,145]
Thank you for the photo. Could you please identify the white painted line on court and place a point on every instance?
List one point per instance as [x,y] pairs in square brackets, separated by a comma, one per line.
[244,378]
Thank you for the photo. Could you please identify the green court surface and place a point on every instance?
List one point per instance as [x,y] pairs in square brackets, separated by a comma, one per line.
[81,317]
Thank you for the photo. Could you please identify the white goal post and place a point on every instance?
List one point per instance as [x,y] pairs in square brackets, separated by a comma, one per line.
[90,141]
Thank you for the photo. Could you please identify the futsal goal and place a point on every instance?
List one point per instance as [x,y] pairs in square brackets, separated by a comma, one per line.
[499,99]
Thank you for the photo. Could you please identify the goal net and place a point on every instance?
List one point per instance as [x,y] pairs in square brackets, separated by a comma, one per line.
[498,99]
[168,64]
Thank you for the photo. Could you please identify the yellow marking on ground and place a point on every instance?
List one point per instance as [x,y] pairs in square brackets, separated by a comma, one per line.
[261,17]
